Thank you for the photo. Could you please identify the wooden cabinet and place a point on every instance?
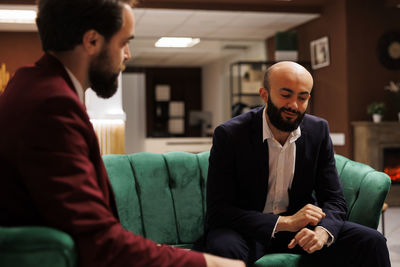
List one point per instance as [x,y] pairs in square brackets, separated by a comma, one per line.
[184,93]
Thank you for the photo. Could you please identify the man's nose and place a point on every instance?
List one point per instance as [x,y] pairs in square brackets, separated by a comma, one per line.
[293,104]
[127,53]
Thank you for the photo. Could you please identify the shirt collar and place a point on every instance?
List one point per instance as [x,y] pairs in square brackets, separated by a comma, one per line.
[267,133]
[76,84]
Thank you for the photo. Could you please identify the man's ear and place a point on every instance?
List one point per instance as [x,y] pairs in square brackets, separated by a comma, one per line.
[264,94]
[92,42]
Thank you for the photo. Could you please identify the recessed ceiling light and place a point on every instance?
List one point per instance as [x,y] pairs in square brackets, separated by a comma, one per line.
[177,42]
[17,16]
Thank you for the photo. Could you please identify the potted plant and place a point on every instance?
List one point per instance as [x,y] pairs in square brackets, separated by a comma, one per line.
[376,109]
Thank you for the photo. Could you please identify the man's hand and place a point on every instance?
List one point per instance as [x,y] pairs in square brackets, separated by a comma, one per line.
[309,214]
[215,261]
[310,240]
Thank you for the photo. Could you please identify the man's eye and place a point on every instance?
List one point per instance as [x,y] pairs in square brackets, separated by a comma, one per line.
[285,96]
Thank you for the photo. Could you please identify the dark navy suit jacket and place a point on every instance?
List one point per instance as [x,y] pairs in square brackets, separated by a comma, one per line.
[238,177]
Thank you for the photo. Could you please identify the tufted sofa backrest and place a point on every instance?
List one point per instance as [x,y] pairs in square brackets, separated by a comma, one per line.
[162,196]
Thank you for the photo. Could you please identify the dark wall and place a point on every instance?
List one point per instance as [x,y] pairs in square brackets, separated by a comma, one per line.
[355,76]
[368,20]
[18,49]
[330,93]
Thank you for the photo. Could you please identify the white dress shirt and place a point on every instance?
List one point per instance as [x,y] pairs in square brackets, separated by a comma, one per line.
[77,85]
[282,161]
[281,169]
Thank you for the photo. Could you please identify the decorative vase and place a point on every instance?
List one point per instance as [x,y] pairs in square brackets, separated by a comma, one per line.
[376,118]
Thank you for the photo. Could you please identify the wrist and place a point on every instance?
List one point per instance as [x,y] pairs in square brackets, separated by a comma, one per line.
[323,234]
[283,224]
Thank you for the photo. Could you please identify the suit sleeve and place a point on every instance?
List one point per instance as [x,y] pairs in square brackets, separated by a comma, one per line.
[59,174]
[223,210]
[328,187]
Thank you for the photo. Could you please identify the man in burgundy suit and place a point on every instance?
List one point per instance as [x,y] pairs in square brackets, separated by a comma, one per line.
[52,171]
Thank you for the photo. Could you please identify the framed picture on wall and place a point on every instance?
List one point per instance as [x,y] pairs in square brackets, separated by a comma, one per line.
[319,53]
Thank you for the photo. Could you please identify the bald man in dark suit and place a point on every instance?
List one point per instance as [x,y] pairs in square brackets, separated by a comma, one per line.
[273,186]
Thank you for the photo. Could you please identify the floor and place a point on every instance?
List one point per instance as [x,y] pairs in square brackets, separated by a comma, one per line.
[392,233]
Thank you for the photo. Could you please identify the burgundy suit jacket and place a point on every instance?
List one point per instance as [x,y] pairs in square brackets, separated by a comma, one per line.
[52,173]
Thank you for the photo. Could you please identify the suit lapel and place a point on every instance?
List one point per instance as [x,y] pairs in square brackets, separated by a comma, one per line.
[261,155]
[299,166]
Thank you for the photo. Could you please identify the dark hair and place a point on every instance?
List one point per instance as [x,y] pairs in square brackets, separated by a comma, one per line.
[62,23]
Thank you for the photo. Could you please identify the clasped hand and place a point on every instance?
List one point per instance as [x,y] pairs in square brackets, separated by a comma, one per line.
[309,240]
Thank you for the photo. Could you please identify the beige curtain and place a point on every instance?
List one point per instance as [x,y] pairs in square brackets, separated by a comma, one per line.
[111,136]
[4,77]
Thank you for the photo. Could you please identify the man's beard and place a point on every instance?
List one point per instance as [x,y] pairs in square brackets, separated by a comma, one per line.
[275,117]
[103,80]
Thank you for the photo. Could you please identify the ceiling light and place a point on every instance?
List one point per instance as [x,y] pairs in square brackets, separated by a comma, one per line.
[177,42]
[17,16]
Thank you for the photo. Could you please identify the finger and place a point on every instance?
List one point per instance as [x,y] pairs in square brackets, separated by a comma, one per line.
[302,236]
[314,208]
[314,248]
[315,213]
[305,242]
[292,243]
[313,218]
[309,244]
[309,219]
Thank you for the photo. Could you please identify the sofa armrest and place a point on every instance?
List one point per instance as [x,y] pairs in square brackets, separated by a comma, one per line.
[365,190]
[35,246]
[368,206]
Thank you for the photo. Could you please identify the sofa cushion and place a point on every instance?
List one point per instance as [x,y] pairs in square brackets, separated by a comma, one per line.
[120,171]
[186,188]
[156,202]
[160,196]
[36,246]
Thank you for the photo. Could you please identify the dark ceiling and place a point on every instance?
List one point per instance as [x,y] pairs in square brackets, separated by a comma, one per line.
[298,6]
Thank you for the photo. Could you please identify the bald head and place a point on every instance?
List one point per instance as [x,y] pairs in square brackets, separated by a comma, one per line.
[290,71]
[286,95]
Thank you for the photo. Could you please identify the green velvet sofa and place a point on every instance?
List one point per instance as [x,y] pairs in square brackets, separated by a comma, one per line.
[162,197]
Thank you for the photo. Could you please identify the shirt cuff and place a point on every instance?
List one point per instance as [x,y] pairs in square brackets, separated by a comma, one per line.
[330,238]
[274,230]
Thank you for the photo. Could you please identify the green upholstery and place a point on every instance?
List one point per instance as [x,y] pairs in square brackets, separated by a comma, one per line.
[35,246]
[166,188]
[365,190]
[162,197]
